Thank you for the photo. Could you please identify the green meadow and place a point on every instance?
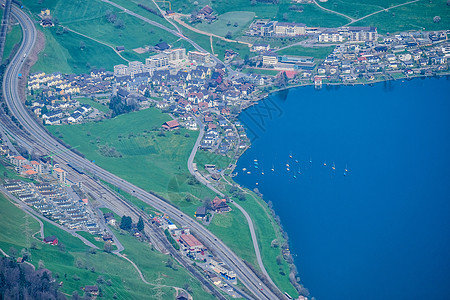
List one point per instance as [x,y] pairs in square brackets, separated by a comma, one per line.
[316,52]
[13,38]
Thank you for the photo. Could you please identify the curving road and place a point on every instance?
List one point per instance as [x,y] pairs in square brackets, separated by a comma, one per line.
[243,211]
[12,97]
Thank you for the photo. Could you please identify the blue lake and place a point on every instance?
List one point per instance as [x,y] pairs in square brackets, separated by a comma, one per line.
[383,230]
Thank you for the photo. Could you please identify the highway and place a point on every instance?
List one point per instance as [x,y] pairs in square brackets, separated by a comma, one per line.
[11,95]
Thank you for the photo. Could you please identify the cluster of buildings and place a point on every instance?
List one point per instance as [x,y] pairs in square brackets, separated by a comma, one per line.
[167,59]
[218,272]
[205,14]
[55,97]
[218,205]
[287,62]
[352,34]
[268,28]
[406,54]
[54,202]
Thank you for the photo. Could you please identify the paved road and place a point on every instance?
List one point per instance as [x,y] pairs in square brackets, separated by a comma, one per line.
[243,211]
[12,98]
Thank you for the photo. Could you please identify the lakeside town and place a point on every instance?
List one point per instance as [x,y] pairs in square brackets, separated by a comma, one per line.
[201,94]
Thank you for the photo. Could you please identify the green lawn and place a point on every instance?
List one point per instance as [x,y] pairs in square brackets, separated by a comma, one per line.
[261,71]
[62,53]
[93,103]
[220,46]
[266,231]
[317,52]
[205,157]
[155,163]
[201,39]
[414,16]
[13,37]
[220,27]
[232,228]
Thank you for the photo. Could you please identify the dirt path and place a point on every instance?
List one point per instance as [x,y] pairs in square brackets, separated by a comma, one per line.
[381,10]
[177,289]
[177,18]
[211,41]
[332,11]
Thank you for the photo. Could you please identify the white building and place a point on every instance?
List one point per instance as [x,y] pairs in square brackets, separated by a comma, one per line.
[199,57]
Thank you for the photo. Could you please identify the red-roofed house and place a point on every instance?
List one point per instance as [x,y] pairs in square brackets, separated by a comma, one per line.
[53,240]
[220,205]
[212,126]
[191,242]
[36,166]
[19,160]
[60,174]
[30,172]
[203,105]
[170,125]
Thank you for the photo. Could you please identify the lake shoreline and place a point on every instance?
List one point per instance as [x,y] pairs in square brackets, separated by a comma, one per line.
[287,88]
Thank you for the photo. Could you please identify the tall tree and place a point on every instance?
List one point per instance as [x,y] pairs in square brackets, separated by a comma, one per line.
[140,224]
[126,223]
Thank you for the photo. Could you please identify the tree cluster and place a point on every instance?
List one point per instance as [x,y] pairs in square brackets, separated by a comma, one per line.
[118,106]
[113,19]
[22,282]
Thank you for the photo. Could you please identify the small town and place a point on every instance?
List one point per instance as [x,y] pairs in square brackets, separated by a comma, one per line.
[202,94]
[250,149]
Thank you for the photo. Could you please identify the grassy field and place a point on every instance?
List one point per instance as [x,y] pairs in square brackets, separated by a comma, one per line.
[409,17]
[153,162]
[13,37]
[414,16]
[261,71]
[93,103]
[205,157]
[232,228]
[317,52]
[201,39]
[62,53]
[220,27]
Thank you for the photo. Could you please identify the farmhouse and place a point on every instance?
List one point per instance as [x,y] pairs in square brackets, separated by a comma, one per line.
[220,205]
[52,240]
[170,125]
